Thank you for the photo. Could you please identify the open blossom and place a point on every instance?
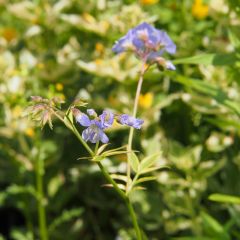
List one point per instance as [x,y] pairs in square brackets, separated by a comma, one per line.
[125,119]
[96,125]
[147,43]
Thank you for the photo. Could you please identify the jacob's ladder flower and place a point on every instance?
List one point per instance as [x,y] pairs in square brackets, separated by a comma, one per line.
[147,43]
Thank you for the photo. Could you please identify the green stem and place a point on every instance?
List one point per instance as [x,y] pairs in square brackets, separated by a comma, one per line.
[134,219]
[135,108]
[109,179]
[96,147]
[125,198]
[41,208]
[132,184]
[71,126]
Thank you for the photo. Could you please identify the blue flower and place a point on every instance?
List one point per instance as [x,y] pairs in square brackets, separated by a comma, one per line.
[125,119]
[106,119]
[94,133]
[95,127]
[146,42]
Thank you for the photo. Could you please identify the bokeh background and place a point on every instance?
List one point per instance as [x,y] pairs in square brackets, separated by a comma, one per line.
[63,48]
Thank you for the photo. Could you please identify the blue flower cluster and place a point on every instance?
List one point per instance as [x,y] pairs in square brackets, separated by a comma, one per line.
[148,44]
[97,124]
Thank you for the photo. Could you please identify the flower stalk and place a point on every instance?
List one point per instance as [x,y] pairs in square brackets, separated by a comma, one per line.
[135,108]
[40,200]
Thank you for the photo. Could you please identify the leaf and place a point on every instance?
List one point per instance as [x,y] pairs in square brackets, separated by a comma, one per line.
[145,179]
[213,227]
[119,177]
[191,238]
[54,184]
[209,59]
[137,188]
[18,190]
[121,186]
[98,158]
[147,162]
[224,198]
[101,149]
[152,169]
[209,89]
[66,216]
[233,39]
[134,161]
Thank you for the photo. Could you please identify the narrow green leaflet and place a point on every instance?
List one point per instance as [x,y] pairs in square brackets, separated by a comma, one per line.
[213,227]
[224,198]
[148,162]
[66,216]
[133,160]
[209,59]
[119,177]
[193,238]
[145,179]
[18,190]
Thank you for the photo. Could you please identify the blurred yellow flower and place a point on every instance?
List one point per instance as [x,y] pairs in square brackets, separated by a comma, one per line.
[199,10]
[62,97]
[146,100]
[88,18]
[9,34]
[105,25]
[98,61]
[29,132]
[148,2]
[17,111]
[40,65]
[59,86]
[99,47]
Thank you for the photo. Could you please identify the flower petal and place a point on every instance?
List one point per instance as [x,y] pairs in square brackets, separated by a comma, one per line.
[83,119]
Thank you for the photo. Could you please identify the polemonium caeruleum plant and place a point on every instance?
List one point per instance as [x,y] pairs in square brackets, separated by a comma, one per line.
[148,44]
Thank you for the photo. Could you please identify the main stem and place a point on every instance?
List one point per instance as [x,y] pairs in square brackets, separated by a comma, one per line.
[105,172]
[41,208]
[134,219]
[125,198]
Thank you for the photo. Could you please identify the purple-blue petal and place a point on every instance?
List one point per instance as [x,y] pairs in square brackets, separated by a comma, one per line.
[106,119]
[83,120]
[166,41]
[103,137]
[91,112]
[170,66]
[94,134]
[130,121]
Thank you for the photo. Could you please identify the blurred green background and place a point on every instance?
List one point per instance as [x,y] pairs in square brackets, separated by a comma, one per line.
[63,48]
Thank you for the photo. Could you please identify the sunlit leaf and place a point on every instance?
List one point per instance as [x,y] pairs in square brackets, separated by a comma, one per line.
[224,198]
[119,177]
[148,162]
[121,186]
[133,160]
[145,179]
[209,59]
